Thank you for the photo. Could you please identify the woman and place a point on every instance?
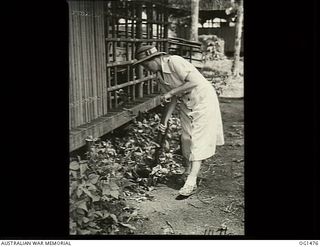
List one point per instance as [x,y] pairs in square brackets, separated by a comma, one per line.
[199,109]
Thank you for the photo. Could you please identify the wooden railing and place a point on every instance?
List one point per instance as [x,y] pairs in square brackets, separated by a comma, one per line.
[126,31]
[189,50]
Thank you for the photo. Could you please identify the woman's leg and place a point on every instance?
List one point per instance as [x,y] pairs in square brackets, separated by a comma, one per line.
[191,182]
[187,168]
[195,168]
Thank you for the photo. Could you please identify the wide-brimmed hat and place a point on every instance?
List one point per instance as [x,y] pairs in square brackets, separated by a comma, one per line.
[145,53]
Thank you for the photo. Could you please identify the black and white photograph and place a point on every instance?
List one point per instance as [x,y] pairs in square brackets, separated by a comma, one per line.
[159,120]
[156,117]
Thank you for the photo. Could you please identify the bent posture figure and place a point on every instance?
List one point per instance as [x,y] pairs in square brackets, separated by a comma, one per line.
[199,109]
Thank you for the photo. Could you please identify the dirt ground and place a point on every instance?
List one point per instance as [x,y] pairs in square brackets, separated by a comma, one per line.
[218,206]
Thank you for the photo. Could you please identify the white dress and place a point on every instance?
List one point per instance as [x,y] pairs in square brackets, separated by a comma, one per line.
[199,110]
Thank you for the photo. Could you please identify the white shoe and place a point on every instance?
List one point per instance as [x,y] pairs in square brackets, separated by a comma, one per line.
[188,190]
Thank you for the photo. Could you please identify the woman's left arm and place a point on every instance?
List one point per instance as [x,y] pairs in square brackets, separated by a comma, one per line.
[190,83]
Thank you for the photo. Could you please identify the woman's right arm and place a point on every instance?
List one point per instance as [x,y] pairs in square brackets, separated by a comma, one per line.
[169,108]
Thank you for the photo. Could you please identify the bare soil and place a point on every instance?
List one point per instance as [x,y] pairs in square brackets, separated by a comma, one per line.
[218,206]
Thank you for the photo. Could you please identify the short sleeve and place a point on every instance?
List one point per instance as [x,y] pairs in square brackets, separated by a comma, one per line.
[181,67]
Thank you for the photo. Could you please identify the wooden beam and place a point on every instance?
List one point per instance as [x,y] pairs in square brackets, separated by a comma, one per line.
[111,121]
[130,83]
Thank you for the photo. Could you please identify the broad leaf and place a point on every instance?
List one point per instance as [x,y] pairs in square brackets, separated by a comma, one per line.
[83,168]
[95,198]
[154,143]
[87,192]
[74,165]
[127,183]
[72,224]
[85,219]
[106,214]
[92,224]
[91,187]
[93,230]
[93,178]
[167,145]
[73,186]
[80,211]
[106,190]
[84,232]
[72,206]
[128,226]
[134,213]
[99,213]
[115,194]
[74,174]
[114,217]
[79,192]
[83,205]
[113,185]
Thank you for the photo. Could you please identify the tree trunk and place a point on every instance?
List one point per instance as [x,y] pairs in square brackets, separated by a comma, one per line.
[237,46]
[194,20]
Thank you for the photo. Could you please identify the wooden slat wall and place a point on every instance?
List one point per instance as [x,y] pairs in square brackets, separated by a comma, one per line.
[88,89]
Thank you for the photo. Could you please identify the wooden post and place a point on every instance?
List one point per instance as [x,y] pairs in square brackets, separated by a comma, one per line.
[97,49]
[115,84]
[127,47]
[139,36]
[147,22]
[75,62]
[194,20]
[166,19]
[79,65]
[108,56]
[158,25]
[114,55]
[72,81]
[93,62]
[238,36]
[88,60]
[151,18]
[84,62]
[133,48]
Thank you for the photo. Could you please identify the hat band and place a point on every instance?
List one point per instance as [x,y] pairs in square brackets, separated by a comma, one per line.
[146,53]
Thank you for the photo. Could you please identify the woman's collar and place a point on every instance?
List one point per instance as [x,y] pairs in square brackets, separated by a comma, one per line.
[165,64]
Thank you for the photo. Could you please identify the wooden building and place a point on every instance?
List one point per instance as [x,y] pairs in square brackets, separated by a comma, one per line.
[215,18]
[105,91]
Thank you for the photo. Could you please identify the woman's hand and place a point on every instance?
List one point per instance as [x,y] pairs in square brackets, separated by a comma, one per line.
[167,97]
[162,128]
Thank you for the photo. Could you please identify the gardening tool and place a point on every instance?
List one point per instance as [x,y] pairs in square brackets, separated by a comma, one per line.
[145,170]
[160,140]
[164,101]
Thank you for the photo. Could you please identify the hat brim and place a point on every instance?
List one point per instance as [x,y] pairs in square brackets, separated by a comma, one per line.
[149,57]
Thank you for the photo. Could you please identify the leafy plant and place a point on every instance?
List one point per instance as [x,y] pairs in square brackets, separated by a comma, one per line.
[100,184]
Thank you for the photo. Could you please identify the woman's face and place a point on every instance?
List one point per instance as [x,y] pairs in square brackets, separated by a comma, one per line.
[151,65]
